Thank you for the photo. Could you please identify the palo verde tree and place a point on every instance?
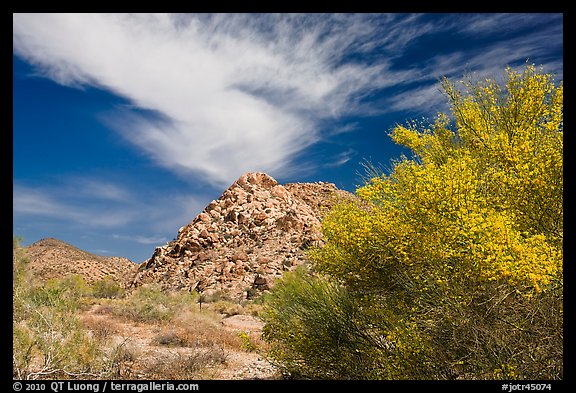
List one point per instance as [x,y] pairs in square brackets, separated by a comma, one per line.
[450,266]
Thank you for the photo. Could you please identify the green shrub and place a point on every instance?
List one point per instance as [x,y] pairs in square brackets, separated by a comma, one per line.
[150,303]
[319,329]
[107,288]
[48,339]
[227,308]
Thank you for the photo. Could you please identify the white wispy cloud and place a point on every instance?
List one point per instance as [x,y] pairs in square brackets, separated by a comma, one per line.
[97,189]
[424,99]
[341,159]
[422,93]
[497,23]
[218,95]
[153,239]
[235,92]
[46,203]
[96,204]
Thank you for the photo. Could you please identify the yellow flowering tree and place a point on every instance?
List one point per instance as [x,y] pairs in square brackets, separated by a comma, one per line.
[454,259]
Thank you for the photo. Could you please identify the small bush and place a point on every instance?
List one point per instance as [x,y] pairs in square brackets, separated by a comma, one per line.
[184,366]
[101,328]
[204,329]
[318,329]
[227,308]
[121,360]
[213,296]
[170,338]
[107,288]
[151,304]
[206,357]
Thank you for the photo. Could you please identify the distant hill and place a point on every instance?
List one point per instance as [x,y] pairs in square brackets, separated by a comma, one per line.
[53,258]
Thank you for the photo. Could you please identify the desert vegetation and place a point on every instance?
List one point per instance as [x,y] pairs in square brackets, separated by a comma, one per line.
[48,339]
[66,329]
[450,265]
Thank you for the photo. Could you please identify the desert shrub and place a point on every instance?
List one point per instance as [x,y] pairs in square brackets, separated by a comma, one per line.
[121,359]
[318,328]
[107,288]
[450,266]
[252,307]
[170,338]
[151,303]
[204,329]
[101,328]
[189,365]
[48,339]
[247,342]
[66,294]
[213,296]
[227,308]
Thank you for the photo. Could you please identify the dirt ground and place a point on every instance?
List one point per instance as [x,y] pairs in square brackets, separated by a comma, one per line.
[145,356]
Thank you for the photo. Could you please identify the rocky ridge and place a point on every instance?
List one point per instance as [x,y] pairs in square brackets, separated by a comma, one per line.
[244,240]
[53,258]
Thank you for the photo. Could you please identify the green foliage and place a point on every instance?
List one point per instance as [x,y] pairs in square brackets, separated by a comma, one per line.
[150,303]
[451,265]
[48,339]
[53,338]
[320,329]
[107,288]
[247,343]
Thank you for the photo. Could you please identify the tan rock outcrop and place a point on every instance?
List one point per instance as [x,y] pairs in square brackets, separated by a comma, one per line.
[244,240]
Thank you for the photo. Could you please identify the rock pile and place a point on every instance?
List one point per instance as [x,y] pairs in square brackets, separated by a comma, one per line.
[244,240]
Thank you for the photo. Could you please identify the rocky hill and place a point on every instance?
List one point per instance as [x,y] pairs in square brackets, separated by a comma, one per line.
[53,258]
[245,239]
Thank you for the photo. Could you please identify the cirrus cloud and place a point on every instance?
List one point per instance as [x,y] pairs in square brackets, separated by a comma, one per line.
[221,94]
[230,93]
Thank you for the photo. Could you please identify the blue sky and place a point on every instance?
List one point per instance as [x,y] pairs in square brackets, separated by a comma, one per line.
[127,126]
